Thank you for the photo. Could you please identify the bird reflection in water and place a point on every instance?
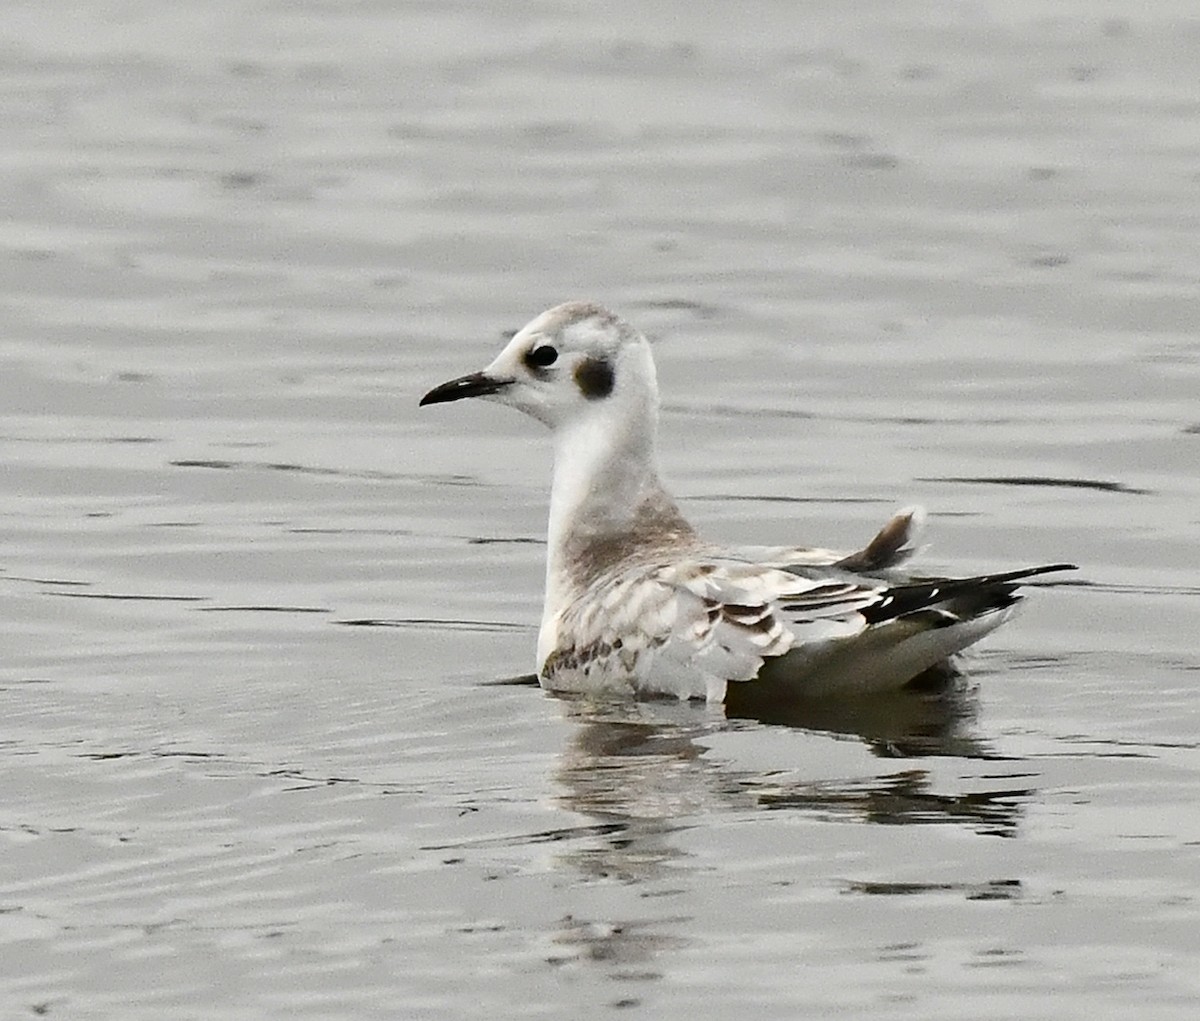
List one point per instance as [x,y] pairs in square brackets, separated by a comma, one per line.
[641,769]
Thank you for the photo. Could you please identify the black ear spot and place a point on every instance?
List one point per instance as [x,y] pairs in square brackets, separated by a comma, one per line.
[594,377]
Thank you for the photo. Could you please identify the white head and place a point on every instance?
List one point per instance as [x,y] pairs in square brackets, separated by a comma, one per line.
[572,363]
[589,376]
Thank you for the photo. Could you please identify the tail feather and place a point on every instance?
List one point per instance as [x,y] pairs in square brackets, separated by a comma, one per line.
[917,627]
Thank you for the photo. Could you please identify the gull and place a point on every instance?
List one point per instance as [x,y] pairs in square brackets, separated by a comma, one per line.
[638,604]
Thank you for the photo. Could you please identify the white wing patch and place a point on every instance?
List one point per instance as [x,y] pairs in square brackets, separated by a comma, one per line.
[688,627]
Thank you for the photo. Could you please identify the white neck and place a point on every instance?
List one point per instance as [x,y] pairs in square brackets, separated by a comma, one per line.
[602,471]
[606,502]
[607,505]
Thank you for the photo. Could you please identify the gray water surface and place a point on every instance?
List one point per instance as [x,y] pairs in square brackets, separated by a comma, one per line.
[255,759]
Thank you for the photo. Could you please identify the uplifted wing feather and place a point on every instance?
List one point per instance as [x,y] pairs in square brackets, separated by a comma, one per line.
[890,547]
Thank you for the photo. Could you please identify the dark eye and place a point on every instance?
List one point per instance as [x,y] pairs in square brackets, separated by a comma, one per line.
[542,356]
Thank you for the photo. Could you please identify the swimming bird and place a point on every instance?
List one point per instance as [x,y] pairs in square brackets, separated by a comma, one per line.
[638,604]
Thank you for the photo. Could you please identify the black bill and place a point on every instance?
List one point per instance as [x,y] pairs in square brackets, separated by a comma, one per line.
[476,384]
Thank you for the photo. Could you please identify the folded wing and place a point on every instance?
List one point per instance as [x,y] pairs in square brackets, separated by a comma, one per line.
[687,627]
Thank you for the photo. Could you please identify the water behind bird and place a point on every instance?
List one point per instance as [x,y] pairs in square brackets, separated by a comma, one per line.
[256,759]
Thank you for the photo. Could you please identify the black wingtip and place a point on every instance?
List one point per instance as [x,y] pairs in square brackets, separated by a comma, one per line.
[1020,575]
[989,591]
